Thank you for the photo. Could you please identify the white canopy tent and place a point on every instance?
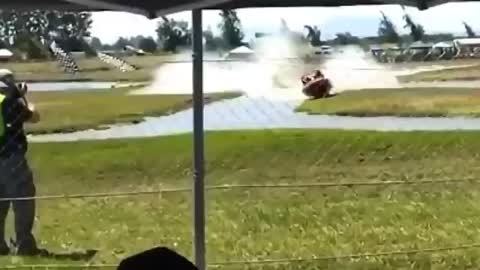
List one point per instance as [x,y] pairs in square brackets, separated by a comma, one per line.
[443,45]
[5,54]
[419,45]
[242,52]
[467,42]
[467,47]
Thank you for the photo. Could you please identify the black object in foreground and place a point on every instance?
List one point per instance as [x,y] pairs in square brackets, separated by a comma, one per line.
[159,258]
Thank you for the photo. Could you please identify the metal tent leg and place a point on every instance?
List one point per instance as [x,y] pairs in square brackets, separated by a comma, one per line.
[198,141]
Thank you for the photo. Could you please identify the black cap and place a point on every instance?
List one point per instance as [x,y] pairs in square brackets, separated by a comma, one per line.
[159,258]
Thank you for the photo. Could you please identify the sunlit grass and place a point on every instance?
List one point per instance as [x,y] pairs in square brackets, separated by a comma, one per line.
[413,102]
[261,224]
[469,73]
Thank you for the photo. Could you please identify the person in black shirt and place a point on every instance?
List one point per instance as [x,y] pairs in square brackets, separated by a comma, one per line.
[16,178]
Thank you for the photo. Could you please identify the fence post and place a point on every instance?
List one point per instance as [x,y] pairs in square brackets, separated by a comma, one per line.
[198,142]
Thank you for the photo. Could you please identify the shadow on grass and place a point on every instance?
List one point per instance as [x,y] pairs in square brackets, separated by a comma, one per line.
[383,114]
[410,114]
[325,97]
[67,256]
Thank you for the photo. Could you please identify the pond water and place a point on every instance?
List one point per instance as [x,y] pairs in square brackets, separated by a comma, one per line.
[74,86]
[261,113]
[66,86]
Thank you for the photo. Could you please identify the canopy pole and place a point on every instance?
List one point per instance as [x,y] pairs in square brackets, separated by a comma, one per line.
[198,142]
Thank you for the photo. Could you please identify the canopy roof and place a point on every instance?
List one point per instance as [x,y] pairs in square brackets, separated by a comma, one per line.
[5,53]
[420,45]
[242,50]
[467,41]
[443,44]
[155,8]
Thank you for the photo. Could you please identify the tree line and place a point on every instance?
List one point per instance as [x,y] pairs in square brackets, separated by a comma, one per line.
[173,35]
[388,33]
[30,31]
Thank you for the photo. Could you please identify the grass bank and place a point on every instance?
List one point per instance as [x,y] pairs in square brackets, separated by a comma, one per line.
[470,73]
[68,111]
[261,224]
[407,102]
[92,69]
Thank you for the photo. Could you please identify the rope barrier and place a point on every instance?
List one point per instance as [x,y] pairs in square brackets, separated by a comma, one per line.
[273,261]
[233,187]
[344,184]
[352,256]
[58,266]
[97,195]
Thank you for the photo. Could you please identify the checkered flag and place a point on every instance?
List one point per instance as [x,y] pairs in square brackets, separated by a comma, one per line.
[64,59]
[116,62]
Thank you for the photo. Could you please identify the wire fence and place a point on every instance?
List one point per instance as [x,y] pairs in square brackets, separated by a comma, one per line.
[272,261]
[241,187]
[380,158]
[276,168]
[283,261]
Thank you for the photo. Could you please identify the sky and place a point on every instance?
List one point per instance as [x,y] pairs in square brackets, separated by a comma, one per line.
[359,20]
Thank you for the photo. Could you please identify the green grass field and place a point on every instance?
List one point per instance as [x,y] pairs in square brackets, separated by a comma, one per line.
[470,73]
[408,102]
[92,69]
[67,111]
[267,224]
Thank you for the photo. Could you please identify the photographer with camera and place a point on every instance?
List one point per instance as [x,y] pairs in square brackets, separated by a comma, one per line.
[16,178]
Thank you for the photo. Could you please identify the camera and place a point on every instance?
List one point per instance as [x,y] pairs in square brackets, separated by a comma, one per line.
[15,90]
[22,89]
